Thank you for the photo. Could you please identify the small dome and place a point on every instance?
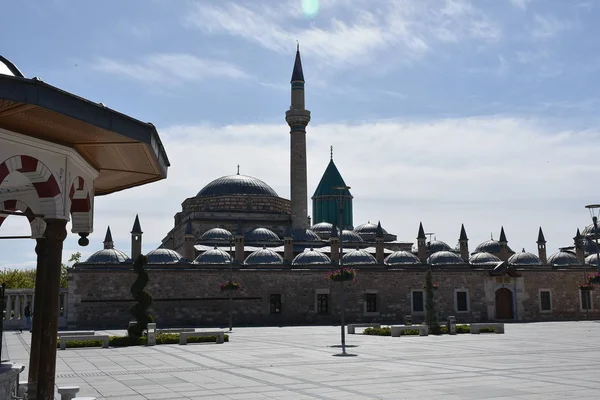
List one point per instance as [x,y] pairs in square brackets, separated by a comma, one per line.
[358,257]
[322,227]
[305,235]
[490,246]
[108,256]
[563,259]
[262,257]
[261,235]
[591,260]
[8,68]
[311,257]
[445,257]
[483,258]
[213,256]
[402,258]
[524,258]
[589,230]
[437,245]
[368,228]
[589,246]
[351,237]
[216,235]
[163,256]
[237,185]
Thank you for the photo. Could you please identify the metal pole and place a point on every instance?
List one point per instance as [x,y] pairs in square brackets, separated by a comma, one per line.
[342,318]
[230,297]
[341,257]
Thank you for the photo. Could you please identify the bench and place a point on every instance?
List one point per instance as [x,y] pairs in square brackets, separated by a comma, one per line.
[174,330]
[352,327]
[499,326]
[397,329]
[64,339]
[76,333]
[183,337]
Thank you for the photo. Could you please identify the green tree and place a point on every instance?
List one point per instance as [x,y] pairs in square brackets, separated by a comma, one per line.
[430,307]
[25,278]
[140,309]
[64,269]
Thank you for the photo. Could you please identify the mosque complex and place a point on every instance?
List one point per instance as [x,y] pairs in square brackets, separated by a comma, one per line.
[238,226]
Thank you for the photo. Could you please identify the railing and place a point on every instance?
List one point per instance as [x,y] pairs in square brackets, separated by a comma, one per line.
[17,299]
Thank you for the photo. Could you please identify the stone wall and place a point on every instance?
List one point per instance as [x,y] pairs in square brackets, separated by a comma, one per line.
[184,295]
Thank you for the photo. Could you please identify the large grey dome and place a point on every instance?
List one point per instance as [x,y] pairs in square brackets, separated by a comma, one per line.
[445,257]
[524,258]
[213,256]
[163,256]
[483,258]
[237,184]
[311,257]
[108,256]
[402,258]
[261,235]
[305,235]
[563,259]
[437,245]
[358,257]
[351,237]
[216,235]
[262,257]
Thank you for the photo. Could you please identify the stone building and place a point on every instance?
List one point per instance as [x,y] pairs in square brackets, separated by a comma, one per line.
[238,226]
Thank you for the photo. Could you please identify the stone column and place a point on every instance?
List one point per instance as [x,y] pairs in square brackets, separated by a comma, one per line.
[36,335]
[288,249]
[239,249]
[334,244]
[379,253]
[55,235]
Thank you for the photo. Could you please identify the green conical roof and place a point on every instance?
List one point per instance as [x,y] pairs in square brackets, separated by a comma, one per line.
[331,178]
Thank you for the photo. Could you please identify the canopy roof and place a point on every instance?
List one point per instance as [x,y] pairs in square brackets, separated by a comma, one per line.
[127,152]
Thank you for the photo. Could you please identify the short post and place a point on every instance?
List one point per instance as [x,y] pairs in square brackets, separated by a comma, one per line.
[151,334]
[452,325]
[68,392]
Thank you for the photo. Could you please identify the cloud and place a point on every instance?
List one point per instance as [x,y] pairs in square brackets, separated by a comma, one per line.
[484,172]
[347,34]
[522,4]
[546,27]
[171,68]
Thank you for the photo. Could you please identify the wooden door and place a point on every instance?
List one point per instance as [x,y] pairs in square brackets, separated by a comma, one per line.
[504,304]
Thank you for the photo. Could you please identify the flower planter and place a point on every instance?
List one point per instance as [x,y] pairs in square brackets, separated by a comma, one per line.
[230,286]
[342,275]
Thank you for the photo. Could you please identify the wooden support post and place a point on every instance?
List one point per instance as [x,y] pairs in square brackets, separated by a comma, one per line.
[55,235]
[40,251]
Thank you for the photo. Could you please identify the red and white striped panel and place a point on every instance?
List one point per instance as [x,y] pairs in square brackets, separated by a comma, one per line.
[15,205]
[81,206]
[46,185]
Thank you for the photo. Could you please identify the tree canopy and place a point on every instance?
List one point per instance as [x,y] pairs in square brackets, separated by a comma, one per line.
[25,278]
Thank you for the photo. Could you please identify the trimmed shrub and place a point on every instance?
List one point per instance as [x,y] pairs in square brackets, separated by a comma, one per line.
[487,329]
[125,341]
[76,344]
[140,309]
[385,331]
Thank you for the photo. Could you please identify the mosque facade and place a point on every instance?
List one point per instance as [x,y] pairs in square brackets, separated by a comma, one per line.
[238,227]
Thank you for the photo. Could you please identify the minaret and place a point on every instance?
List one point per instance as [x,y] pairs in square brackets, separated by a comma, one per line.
[463,241]
[298,118]
[541,242]
[503,245]
[579,249]
[334,245]
[189,240]
[108,240]
[379,237]
[421,245]
[136,239]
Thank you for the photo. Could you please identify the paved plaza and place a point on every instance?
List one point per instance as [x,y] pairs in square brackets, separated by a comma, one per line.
[531,361]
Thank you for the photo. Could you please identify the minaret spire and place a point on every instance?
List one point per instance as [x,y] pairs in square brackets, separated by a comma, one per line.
[331,152]
[298,118]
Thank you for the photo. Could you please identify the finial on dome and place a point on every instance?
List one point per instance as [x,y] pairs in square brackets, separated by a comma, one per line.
[331,153]
[297,45]
[238,169]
